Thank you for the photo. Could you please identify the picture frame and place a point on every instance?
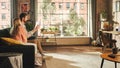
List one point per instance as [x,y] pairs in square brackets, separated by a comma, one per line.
[24,7]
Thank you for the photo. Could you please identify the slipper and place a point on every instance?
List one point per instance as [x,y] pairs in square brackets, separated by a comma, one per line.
[45,57]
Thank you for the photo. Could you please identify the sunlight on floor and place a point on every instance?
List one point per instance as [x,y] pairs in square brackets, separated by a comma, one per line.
[77,60]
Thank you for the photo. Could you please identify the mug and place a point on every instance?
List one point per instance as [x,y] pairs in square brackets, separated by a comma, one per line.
[115,50]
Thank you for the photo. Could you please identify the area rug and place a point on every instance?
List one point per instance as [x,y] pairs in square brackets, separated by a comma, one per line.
[77,60]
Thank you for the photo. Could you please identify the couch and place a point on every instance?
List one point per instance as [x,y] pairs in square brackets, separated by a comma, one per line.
[27,51]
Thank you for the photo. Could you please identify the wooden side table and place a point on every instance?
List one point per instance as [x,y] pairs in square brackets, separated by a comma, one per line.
[105,56]
[46,40]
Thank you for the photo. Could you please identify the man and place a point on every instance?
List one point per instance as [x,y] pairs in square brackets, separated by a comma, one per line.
[23,18]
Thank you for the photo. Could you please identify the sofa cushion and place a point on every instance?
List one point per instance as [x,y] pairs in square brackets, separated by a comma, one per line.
[10,41]
[5,32]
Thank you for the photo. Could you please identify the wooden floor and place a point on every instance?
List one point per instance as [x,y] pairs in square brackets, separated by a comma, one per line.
[69,50]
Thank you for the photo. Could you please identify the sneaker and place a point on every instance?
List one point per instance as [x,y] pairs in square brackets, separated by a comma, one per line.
[45,57]
[38,60]
[38,63]
[38,55]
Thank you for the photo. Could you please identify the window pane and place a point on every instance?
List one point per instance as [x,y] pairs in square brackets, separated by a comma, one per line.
[60,5]
[75,5]
[67,5]
[81,5]
[70,17]
[3,16]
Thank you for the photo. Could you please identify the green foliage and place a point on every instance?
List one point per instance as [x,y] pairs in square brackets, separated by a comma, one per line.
[47,7]
[29,25]
[53,28]
[104,14]
[73,15]
[76,24]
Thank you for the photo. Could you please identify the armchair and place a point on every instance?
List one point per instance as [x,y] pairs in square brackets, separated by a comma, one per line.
[27,51]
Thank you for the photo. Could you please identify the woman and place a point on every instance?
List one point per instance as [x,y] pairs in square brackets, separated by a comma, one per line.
[20,33]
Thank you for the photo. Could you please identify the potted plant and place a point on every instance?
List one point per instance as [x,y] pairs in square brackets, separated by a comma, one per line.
[103,15]
[29,25]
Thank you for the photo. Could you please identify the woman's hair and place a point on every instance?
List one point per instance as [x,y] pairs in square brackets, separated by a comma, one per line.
[16,24]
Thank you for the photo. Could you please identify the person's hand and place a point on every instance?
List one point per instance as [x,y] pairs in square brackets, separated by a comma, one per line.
[37,27]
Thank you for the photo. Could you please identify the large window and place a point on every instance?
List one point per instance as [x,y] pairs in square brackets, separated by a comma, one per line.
[5,14]
[116,11]
[69,18]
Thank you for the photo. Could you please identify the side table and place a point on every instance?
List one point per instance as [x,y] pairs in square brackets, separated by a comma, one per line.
[105,56]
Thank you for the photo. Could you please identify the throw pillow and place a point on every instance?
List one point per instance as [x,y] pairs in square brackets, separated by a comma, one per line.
[10,41]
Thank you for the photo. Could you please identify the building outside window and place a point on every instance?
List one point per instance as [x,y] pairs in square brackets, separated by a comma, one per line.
[5,14]
[67,5]
[60,5]
[70,22]
[81,5]
[75,5]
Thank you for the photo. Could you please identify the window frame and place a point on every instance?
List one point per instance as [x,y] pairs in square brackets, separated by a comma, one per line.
[63,18]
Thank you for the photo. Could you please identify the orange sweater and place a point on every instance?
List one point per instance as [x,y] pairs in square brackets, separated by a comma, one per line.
[21,34]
